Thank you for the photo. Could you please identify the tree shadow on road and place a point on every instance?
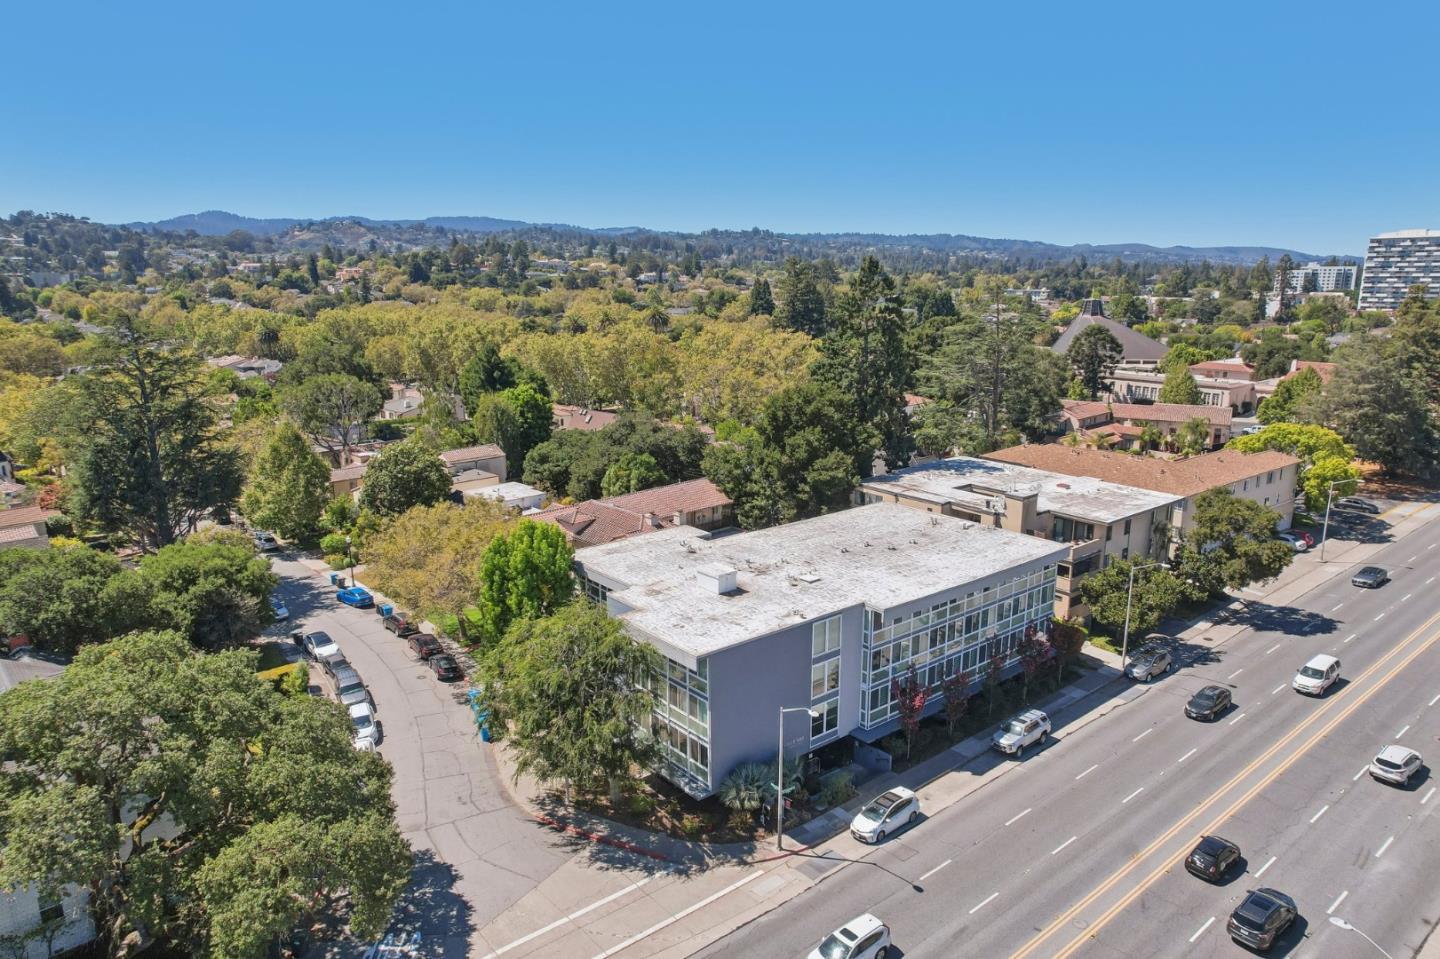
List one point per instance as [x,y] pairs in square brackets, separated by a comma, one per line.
[1266,617]
[430,906]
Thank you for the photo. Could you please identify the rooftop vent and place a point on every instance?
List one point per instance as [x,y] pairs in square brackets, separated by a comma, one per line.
[808,578]
[716,579]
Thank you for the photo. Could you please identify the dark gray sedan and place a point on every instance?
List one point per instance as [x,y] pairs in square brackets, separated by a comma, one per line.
[1370,577]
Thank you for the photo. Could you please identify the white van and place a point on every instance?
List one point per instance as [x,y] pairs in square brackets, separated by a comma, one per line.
[1317,675]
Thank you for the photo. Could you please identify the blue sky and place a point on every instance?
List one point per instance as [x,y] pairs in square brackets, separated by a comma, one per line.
[1310,126]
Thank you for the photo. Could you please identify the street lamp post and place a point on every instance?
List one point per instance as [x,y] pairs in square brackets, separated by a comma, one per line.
[1129,596]
[1337,921]
[1325,530]
[780,772]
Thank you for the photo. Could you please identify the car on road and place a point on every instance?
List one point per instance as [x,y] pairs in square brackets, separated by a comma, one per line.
[1356,504]
[357,596]
[888,812]
[1149,663]
[1031,726]
[1370,577]
[1317,675]
[278,607]
[400,624]
[319,646]
[1261,918]
[1212,858]
[1208,703]
[364,729]
[445,668]
[350,688]
[423,646]
[863,937]
[265,542]
[1395,765]
[1296,541]
[1251,430]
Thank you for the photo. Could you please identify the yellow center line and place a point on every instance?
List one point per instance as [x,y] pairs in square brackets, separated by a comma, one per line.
[1100,890]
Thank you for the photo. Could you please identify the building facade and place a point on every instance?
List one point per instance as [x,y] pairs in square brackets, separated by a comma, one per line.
[822,614]
[1394,262]
[1324,278]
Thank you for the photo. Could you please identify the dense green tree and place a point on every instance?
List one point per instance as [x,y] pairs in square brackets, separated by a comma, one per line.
[273,819]
[1193,436]
[332,409]
[526,573]
[1230,545]
[630,474]
[573,463]
[517,419]
[1180,387]
[1271,354]
[1290,394]
[486,372]
[1157,594]
[215,594]
[403,476]
[1324,457]
[61,598]
[289,486]
[571,693]
[1183,356]
[1093,354]
[330,348]
[762,303]
[802,304]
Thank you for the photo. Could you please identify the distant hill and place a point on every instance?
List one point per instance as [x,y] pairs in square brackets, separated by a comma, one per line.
[220,223]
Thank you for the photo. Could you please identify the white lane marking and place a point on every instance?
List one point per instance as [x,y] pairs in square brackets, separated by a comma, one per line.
[1063,845]
[935,870]
[1132,795]
[1201,931]
[986,900]
[1384,846]
[1267,865]
[1432,545]
[679,915]
[1350,637]
[1277,689]
[1272,649]
[1338,900]
[1412,559]
[1016,818]
[570,918]
[1322,811]
[1405,729]
[1236,673]
[1088,771]
[1237,719]
[1380,617]
[1336,606]
[1143,735]
[1435,700]
[1188,755]
[1406,596]
[1363,771]
[1428,795]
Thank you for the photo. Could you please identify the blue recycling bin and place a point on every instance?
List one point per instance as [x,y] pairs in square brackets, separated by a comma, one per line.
[482,715]
[334,579]
[384,609]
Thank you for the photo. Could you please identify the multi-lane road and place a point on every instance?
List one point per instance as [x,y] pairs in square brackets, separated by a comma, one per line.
[1079,852]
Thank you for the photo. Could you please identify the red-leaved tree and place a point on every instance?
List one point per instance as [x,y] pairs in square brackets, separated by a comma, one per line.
[909,696]
[1067,639]
[956,690]
[994,672]
[1033,653]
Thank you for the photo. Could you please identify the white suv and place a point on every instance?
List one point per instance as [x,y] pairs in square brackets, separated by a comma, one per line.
[863,937]
[1031,726]
[1317,675]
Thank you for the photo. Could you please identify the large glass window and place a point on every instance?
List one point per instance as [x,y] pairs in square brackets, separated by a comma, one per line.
[824,677]
[827,721]
[825,637]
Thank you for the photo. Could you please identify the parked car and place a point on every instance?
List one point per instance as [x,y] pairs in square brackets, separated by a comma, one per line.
[1370,577]
[1208,703]
[350,688]
[1251,430]
[278,607]
[319,646]
[423,645]
[888,812]
[1212,858]
[1395,765]
[357,596]
[445,668]
[1261,918]
[400,624]
[1356,504]
[265,542]
[1031,726]
[1149,663]
[364,727]
[863,937]
[1317,675]
[333,665]
[1296,541]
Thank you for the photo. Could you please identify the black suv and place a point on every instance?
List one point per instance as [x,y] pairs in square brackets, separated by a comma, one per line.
[400,624]
[1208,703]
[1212,858]
[1261,918]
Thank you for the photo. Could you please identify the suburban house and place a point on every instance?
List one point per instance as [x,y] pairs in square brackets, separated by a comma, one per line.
[1268,478]
[698,503]
[569,417]
[247,367]
[1123,423]
[25,526]
[469,482]
[404,403]
[488,458]
[516,496]
[346,480]
[821,613]
[1097,522]
[1228,383]
[11,492]
[1137,350]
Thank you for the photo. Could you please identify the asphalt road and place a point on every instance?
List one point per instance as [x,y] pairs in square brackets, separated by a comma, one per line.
[1079,853]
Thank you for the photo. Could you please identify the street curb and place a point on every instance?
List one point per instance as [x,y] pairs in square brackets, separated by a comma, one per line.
[601,838]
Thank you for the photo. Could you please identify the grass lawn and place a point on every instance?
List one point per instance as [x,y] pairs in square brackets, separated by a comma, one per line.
[447,622]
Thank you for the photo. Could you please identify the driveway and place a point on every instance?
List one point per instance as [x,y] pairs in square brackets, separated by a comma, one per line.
[476,854]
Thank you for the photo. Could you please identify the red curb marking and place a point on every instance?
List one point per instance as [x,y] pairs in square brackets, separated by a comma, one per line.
[600,838]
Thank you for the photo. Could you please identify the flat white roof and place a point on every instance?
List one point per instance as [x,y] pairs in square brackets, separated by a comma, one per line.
[964,480]
[1405,234]
[883,555]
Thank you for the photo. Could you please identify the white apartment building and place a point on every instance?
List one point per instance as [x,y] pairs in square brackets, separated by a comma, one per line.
[1328,279]
[1394,262]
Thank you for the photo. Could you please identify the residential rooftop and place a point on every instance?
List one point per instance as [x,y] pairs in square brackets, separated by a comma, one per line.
[882,555]
[467,453]
[964,479]
[1183,477]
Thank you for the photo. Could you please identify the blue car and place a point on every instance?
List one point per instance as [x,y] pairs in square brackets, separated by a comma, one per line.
[357,596]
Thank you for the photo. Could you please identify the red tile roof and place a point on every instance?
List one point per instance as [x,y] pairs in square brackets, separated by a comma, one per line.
[25,515]
[1326,370]
[602,521]
[1184,477]
[466,453]
[1173,412]
[686,497]
[17,534]
[1084,409]
[1222,366]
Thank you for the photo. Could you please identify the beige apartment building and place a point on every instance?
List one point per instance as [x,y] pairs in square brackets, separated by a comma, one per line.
[1097,520]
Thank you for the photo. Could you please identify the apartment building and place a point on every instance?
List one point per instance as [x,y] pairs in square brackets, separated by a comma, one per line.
[1124,423]
[1097,521]
[1226,383]
[1338,278]
[821,614]
[1394,262]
